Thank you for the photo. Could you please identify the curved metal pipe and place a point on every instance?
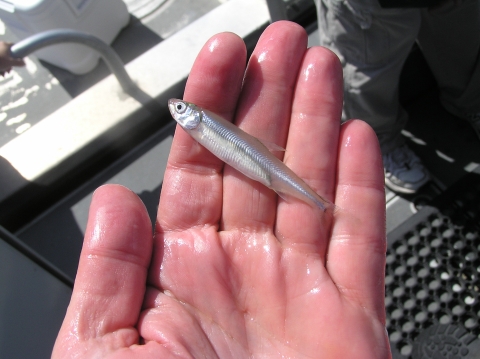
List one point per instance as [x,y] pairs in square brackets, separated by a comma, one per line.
[52,37]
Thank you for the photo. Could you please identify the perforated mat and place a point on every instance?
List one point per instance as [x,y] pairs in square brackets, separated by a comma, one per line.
[432,278]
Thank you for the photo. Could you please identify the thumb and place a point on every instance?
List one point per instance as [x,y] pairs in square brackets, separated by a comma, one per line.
[110,283]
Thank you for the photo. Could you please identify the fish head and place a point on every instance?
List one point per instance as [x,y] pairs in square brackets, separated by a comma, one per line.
[185,113]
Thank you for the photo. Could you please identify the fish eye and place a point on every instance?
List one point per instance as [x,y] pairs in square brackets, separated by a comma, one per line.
[180,107]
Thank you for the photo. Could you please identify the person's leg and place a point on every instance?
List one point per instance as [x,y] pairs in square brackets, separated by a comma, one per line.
[449,38]
[372,44]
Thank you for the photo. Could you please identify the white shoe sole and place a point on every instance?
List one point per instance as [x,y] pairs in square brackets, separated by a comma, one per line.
[396,188]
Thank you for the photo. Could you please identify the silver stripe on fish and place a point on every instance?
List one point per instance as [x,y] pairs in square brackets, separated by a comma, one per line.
[243,152]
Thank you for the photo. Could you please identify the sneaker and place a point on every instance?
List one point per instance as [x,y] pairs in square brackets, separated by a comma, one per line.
[404,172]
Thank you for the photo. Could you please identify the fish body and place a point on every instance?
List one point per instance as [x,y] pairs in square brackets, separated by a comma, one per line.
[243,152]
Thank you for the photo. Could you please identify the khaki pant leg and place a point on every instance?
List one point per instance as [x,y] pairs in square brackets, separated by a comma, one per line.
[372,44]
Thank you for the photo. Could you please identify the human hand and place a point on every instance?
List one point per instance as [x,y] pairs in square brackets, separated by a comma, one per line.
[6,60]
[233,271]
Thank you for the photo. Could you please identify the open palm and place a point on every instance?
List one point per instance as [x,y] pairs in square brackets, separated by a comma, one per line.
[233,271]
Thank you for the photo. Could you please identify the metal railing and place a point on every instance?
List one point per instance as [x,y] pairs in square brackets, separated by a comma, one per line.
[47,38]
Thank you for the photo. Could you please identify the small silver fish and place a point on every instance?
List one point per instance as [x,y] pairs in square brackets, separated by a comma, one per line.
[243,152]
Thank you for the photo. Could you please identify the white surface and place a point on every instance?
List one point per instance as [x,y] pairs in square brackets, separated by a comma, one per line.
[25,5]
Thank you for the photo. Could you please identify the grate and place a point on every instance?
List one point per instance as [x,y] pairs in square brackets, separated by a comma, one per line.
[432,278]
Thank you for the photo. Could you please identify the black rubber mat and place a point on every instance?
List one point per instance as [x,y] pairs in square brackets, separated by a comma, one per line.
[432,278]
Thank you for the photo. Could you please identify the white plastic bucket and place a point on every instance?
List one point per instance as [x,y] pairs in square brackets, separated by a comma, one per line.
[101,18]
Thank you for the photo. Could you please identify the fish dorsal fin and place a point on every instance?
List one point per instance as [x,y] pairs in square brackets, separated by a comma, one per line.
[272,147]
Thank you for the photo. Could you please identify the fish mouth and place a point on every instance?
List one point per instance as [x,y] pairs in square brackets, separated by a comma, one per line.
[171,107]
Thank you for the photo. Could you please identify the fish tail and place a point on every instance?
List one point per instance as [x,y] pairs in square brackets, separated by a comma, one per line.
[327,206]
[315,201]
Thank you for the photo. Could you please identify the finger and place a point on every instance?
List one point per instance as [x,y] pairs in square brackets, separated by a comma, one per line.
[264,112]
[192,190]
[356,254]
[311,150]
[18,62]
[110,283]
